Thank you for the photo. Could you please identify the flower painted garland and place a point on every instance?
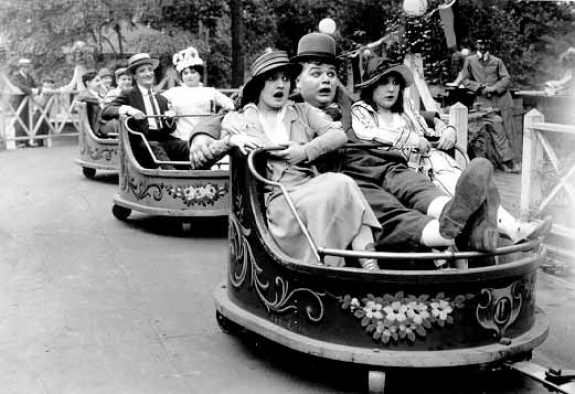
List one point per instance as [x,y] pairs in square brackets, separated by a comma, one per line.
[206,194]
[399,317]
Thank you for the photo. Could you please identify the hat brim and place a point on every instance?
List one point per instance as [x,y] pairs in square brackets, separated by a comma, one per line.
[293,69]
[315,57]
[153,62]
[399,69]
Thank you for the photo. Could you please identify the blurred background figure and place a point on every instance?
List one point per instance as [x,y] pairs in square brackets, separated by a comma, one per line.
[124,81]
[566,85]
[24,81]
[107,77]
[44,105]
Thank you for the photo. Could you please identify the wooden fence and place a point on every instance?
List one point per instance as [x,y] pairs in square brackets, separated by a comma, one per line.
[548,175]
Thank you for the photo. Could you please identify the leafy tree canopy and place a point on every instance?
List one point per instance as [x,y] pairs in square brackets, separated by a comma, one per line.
[528,36]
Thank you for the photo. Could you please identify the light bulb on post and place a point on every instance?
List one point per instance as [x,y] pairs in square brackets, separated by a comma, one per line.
[415,8]
[327,26]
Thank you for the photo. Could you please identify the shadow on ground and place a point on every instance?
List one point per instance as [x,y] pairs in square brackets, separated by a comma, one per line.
[345,377]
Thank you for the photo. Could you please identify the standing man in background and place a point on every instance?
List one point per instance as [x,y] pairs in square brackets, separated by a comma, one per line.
[487,77]
[24,81]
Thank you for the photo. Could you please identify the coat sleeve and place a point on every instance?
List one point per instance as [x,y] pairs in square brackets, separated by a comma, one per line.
[19,82]
[112,111]
[504,81]
[468,79]
[365,128]
[329,136]
[223,101]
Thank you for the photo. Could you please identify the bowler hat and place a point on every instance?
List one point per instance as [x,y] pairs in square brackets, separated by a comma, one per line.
[316,46]
[140,59]
[267,62]
[377,68]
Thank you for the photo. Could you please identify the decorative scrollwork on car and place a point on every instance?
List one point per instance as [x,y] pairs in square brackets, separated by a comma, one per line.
[498,309]
[141,189]
[279,298]
[240,251]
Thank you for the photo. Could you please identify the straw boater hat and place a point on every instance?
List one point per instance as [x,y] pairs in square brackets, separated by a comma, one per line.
[121,71]
[139,59]
[264,64]
[188,57]
[316,46]
[378,68]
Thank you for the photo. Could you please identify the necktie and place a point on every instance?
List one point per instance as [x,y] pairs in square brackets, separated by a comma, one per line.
[154,122]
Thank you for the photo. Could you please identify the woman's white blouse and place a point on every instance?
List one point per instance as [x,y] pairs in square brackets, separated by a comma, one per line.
[199,100]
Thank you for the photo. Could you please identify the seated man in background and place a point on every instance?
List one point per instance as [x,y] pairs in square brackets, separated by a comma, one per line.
[93,97]
[124,81]
[146,108]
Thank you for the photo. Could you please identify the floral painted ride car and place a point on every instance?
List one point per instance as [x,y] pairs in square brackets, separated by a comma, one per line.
[182,193]
[392,318]
[95,153]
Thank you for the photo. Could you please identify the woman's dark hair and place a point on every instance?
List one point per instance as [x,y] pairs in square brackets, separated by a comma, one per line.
[199,69]
[367,94]
[252,95]
[88,77]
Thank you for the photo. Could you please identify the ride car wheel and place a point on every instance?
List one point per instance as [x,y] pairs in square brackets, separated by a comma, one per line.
[120,212]
[89,172]
[226,325]
[376,382]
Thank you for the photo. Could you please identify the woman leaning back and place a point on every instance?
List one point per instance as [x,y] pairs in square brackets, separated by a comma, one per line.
[387,115]
[331,205]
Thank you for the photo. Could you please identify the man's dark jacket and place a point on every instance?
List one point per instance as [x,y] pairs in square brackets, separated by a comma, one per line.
[133,98]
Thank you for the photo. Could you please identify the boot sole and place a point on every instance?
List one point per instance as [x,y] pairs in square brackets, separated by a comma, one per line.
[468,197]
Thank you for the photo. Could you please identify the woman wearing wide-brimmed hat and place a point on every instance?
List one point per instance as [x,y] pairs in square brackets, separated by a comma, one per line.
[384,114]
[332,206]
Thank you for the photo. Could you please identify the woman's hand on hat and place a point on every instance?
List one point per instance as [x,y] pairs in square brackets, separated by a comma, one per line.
[244,143]
[293,153]
[448,138]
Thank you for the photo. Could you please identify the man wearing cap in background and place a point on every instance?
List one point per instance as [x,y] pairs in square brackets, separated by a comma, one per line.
[124,81]
[107,77]
[146,108]
[487,77]
[24,81]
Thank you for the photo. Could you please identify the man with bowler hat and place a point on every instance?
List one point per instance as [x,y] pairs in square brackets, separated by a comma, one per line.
[429,217]
[146,109]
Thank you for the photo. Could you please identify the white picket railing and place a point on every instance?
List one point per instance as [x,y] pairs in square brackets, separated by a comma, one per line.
[540,189]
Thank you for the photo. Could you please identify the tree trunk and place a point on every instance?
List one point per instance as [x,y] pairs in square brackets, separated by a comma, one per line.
[238,48]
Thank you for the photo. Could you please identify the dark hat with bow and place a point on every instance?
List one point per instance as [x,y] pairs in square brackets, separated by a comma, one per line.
[378,68]
[270,61]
